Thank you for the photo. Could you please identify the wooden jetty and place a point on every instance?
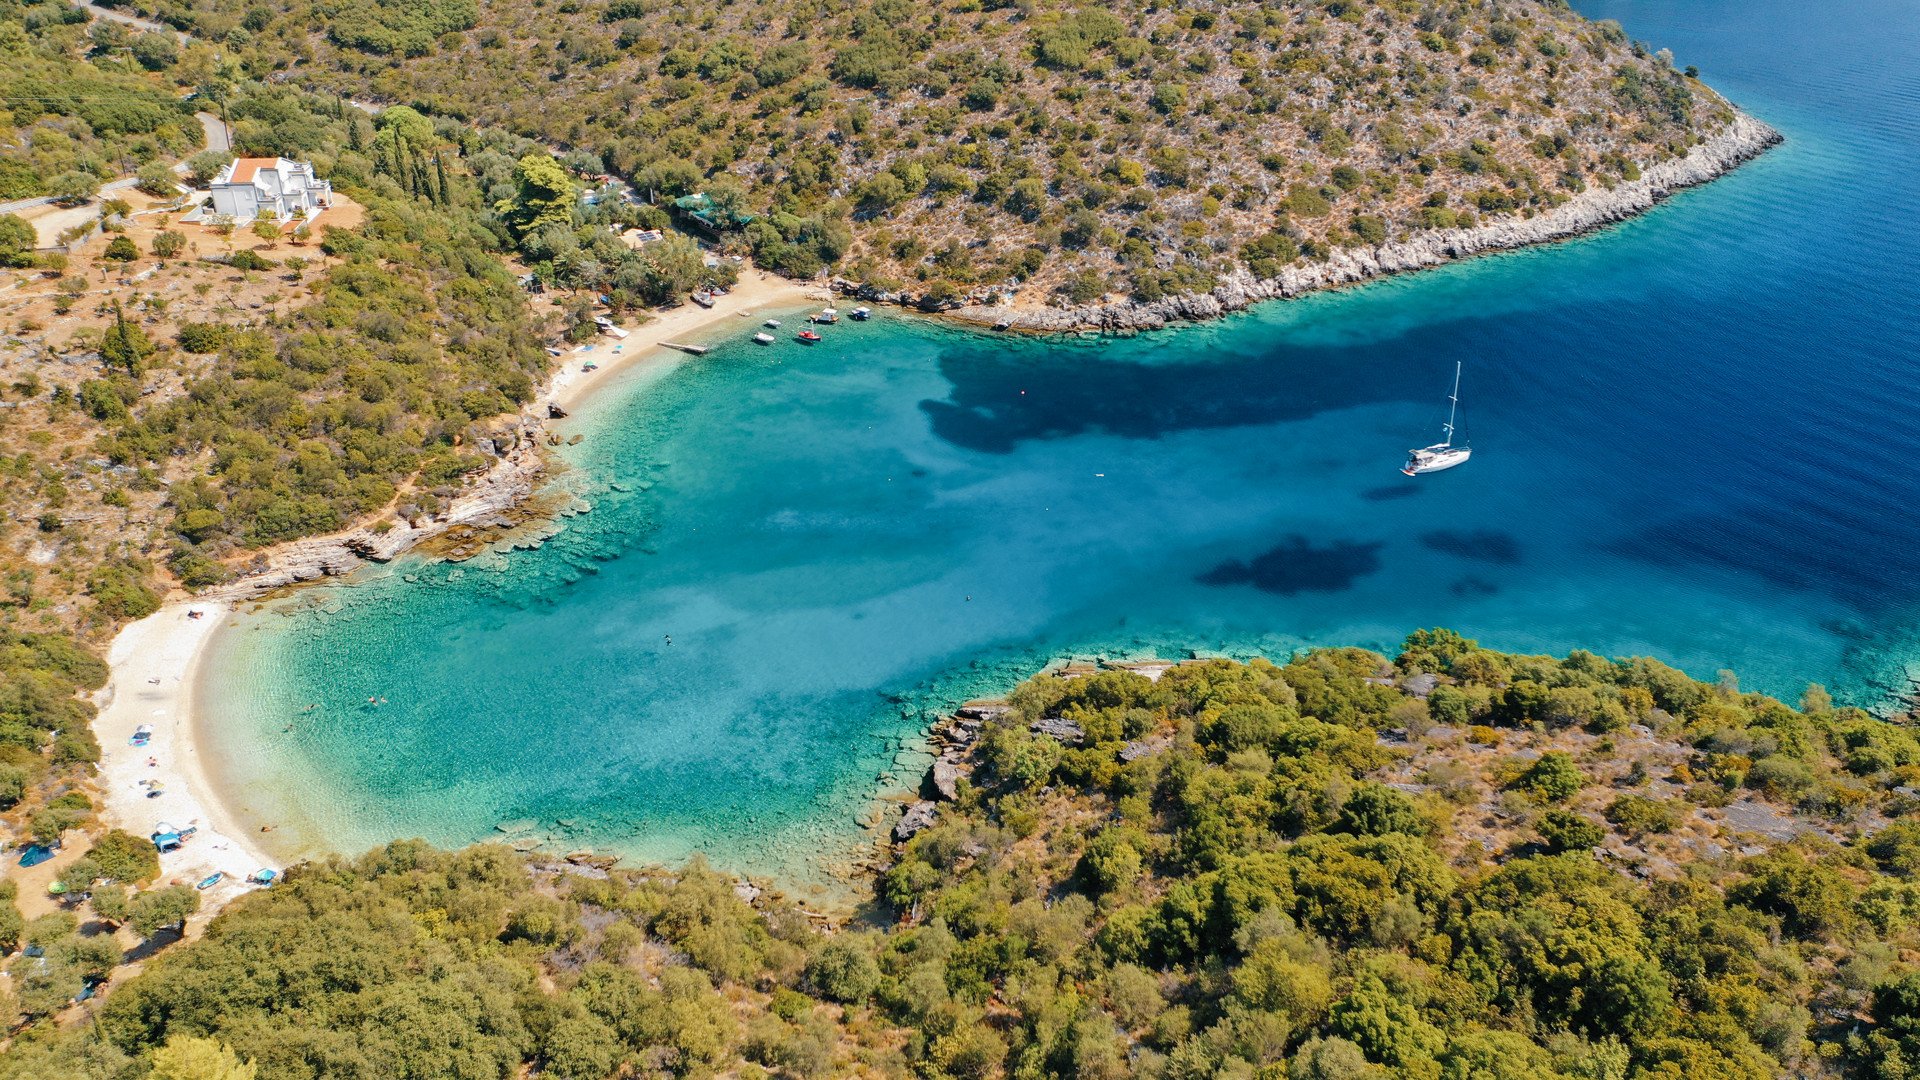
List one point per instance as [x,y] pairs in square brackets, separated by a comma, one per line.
[697,350]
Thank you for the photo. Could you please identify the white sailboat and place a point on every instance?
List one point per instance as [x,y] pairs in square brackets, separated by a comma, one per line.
[1443,454]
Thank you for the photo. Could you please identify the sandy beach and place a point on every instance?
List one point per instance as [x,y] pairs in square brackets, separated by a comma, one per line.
[154,663]
[757,295]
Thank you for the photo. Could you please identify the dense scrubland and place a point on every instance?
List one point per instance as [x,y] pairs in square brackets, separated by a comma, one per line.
[1140,149]
[1531,868]
[1208,875]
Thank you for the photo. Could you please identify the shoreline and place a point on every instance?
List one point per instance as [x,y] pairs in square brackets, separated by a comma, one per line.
[155,666]
[757,293]
[1743,139]
[497,498]
[517,444]
[169,647]
[155,662]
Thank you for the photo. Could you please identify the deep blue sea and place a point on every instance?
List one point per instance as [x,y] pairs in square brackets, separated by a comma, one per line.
[1696,437]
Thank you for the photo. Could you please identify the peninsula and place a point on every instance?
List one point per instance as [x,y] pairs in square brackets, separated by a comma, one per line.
[1454,863]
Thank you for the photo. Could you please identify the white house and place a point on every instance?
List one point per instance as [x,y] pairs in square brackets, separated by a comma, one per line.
[284,189]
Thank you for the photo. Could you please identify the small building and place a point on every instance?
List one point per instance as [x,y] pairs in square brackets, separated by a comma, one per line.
[700,211]
[275,188]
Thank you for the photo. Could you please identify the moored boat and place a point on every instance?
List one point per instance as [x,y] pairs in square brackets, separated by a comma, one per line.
[827,317]
[807,336]
[1443,454]
[763,338]
[861,314]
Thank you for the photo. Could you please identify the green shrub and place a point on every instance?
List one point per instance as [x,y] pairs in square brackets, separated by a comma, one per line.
[1564,830]
[1553,777]
[844,970]
[1638,815]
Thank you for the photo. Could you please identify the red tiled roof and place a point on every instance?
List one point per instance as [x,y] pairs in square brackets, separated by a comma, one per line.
[244,168]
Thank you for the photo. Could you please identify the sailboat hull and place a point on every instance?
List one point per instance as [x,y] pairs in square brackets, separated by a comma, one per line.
[1436,459]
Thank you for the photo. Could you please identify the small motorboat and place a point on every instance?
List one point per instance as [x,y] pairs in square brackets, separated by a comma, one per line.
[773,324]
[704,299]
[763,338]
[141,735]
[211,880]
[807,336]
[861,314]
[826,317]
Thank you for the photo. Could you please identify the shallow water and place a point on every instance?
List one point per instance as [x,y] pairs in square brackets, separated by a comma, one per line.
[1694,438]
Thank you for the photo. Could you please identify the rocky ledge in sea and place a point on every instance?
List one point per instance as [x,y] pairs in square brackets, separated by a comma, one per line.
[1741,141]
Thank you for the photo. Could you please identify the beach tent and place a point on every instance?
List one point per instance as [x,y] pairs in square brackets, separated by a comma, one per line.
[166,837]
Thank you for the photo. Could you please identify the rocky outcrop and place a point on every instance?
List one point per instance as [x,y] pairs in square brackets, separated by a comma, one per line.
[953,742]
[945,777]
[917,819]
[1743,139]
[1420,685]
[491,501]
[1060,728]
[1145,748]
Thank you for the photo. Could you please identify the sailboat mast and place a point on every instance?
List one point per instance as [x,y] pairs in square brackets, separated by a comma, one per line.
[1453,402]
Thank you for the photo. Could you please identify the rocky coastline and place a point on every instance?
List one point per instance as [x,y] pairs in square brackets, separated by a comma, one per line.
[1596,208]
[501,499]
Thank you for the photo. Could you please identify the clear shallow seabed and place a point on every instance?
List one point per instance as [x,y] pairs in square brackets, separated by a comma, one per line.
[1696,438]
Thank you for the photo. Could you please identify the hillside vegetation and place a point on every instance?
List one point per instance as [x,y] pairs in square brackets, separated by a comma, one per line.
[1218,874]
[1139,149]
[174,396]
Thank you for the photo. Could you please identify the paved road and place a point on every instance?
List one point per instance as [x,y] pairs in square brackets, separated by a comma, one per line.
[213,135]
[215,129]
[114,15]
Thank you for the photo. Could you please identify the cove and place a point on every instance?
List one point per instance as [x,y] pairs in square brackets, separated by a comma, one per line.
[1694,439]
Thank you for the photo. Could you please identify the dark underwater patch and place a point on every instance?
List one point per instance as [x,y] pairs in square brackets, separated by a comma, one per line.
[1480,545]
[1296,566]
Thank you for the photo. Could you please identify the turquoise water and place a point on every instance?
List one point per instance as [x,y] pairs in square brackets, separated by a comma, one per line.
[1694,437]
